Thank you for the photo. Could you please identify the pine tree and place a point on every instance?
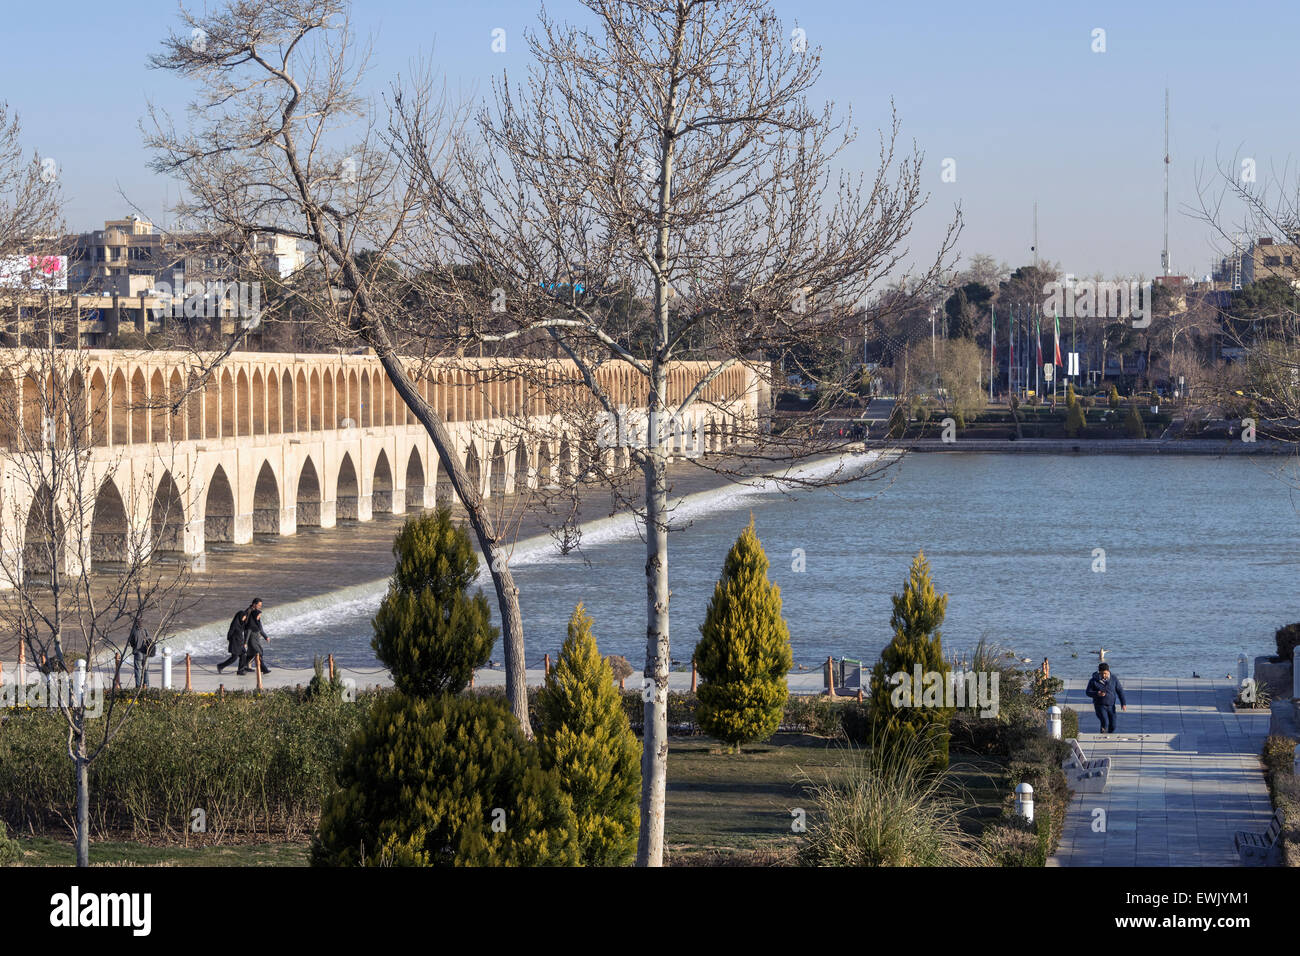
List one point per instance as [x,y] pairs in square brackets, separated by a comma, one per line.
[1075,421]
[1113,397]
[1133,423]
[1070,398]
[898,419]
[902,711]
[744,651]
[584,735]
[444,781]
[430,631]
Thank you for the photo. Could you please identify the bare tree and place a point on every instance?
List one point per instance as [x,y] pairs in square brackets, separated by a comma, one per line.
[282,144]
[667,153]
[78,573]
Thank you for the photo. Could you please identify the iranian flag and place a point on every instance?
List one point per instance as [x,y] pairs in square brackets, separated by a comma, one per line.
[1038,336]
[1058,341]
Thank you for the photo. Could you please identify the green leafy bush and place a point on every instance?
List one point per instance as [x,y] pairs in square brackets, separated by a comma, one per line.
[1287,638]
[744,653]
[11,851]
[444,781]
[585,738]
[430,631]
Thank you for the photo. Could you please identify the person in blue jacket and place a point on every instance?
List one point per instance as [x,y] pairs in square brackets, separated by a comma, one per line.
[1105,692]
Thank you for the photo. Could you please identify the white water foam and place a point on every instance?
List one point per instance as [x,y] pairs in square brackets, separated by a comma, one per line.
[312,615]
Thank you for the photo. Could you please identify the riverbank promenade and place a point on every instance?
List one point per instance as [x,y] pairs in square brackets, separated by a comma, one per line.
[1185,776]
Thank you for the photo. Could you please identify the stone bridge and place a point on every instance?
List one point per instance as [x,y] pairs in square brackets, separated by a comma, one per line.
[273,442]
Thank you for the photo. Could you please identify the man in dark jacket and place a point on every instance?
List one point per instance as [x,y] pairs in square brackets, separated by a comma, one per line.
[235,641]
[142,648]
[256,639]
[1105,692]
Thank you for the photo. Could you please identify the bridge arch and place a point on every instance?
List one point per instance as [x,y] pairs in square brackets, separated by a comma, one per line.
[288,422]
[381,489]
[302,400]
[266,501]
[523,480]
[497,471]
[121,406]
[472,469]
[44,537]
[346,491]
[167,517]
[219,509]
[414,481]
[109,540]
[308,498]
[259,403]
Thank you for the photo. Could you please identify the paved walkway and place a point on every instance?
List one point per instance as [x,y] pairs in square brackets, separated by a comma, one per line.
[1185,775]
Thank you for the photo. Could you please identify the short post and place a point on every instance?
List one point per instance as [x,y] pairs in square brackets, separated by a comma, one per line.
[81,682]
[1047,668]
[258,659]
[1025,802]
[830,676]
[471,680]
[621,682]
[859,695]
[22,662]
[167,668]
[694,675]
[1242,672]
[189,684]
[546,665]
[1054,722]
[331,667]
[117,672]
[221,692]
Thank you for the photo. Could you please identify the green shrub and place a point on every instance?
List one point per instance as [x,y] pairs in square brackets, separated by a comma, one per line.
[444,781]
[1069,723]
[1284,789]
[1075,422]
[11,851]
[917,643]
[1133,426]
[584,737]
[744,653]
[429,630]
[1287,638]
[814,714]
[887,806]
[1012,841]
[1113,398]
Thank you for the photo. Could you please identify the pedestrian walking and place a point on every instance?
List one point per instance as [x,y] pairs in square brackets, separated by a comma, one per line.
[142,647]
[256,638]
[235,642]
[1106,691]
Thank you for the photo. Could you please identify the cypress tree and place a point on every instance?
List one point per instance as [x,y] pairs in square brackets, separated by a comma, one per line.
[1069,394]
[1113,397]
[430,631]
[744,651]
[1075,422]
[444,781]
[894,716]
[1133,423]
[584,735]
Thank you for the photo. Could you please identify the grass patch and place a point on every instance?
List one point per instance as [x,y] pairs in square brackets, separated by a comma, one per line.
[46,851]
[1284,789]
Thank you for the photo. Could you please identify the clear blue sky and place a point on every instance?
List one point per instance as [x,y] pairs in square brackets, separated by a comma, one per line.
[1012,91]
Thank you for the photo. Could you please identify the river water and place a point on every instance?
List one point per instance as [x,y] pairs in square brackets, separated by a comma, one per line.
[1200,558]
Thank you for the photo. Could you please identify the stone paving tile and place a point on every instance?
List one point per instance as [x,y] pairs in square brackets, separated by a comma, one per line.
[1185,776]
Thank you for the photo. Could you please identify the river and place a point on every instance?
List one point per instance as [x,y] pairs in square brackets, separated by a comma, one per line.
[1199,555]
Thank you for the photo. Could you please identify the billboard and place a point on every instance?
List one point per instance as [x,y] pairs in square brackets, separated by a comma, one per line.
[41,273]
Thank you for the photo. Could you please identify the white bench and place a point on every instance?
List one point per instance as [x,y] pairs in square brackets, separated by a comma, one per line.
[1257,849]
[1084,775]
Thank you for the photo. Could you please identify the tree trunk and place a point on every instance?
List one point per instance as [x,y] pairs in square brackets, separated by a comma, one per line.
[82,766]
[654,751]
[512,624]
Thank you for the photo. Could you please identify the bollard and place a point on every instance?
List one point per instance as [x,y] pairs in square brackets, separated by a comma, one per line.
[830,676]
[189,685]
[1025,802]
[258,660]
[1242,672]
[694,675]
[1047,668]
[546,665]
[22,663]
[331,668]
[81,683]
[1054,722]
[471,680]
[167,668]
[117,672]
[221,692]
[620,683]
[859,695]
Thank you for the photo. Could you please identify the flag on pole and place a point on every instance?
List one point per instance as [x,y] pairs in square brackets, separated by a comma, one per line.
[1038,335]
[1058,341]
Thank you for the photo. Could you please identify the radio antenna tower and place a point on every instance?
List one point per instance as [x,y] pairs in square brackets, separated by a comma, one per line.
[1164,254]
